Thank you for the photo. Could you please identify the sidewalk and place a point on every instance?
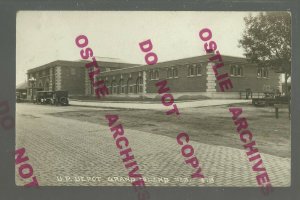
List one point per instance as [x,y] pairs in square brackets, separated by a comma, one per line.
[158,105]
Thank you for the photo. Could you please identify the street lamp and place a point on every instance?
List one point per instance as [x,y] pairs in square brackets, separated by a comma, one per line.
[32,80]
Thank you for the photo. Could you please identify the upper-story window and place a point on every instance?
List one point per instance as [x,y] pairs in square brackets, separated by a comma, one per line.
[262,72]
[175,72]
[195,70]
[172,72]
[199,69]
[236,70]
[169,73]
[154,74]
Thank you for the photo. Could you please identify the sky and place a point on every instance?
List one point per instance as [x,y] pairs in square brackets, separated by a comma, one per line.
[46,36]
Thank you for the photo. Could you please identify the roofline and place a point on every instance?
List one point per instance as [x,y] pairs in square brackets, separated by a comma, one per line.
[180,59]
[79,63]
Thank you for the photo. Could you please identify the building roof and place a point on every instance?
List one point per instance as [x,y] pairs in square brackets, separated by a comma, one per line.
[22,86]
[117,65]
[114,60]
[104,62]
[181,61]
[57,63]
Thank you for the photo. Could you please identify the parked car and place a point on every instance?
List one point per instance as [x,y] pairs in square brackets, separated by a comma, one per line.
[52,97]
[269,99]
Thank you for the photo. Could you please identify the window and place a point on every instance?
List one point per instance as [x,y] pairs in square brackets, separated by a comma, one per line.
[154,75]
[189,70]
[232,70]
[175,72]
[113,87]
[194,70]
[236,70]
[151,75]
[199,70]
[172,72]
[265,73]
[139,85]
[122,86]
[262,72]
[130,85]
[259,72]
[169,73]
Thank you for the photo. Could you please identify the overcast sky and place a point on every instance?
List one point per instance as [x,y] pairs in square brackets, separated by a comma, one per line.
[46,36]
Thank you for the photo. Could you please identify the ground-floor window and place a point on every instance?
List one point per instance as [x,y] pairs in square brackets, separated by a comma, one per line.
[139,85]
[121,87]
[175,72]
[131,89]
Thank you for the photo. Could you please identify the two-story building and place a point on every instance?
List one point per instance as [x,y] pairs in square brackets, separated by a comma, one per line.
[192,76]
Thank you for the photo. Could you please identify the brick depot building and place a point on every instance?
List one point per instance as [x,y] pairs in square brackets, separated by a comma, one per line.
[188,76]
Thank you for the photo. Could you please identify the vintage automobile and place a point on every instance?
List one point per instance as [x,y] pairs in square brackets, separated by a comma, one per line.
[52,97]
[269,99]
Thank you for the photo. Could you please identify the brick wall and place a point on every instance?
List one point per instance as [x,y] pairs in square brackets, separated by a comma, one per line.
[249,79]
[181,84]
[72,79]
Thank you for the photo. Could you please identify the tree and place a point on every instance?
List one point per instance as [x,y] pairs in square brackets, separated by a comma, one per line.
[267,41]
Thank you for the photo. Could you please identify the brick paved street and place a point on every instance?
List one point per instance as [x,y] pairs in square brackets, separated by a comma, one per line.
[59,147]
